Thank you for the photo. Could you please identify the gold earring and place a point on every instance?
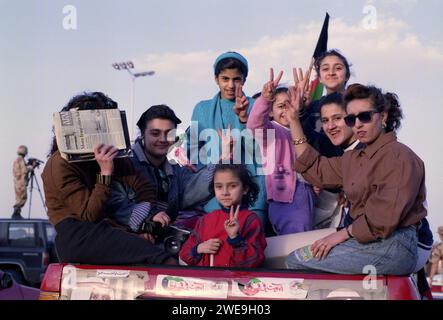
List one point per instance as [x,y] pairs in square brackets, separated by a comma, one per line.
[383,125]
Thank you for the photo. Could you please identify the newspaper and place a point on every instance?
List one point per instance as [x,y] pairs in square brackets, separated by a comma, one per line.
[77,132]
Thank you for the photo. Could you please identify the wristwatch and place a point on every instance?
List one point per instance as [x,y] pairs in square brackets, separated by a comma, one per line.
[106,180]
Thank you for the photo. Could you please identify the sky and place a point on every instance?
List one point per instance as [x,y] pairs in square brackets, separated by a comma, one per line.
[51,50]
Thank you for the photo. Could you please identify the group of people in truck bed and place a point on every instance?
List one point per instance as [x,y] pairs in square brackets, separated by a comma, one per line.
[268,162]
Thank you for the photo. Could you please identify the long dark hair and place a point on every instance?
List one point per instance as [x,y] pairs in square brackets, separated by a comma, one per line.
[85,101]
[246,179]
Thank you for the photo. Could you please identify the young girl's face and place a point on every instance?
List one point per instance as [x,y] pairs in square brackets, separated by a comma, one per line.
[228,188]
[279,110]
[227,80]
[333,74]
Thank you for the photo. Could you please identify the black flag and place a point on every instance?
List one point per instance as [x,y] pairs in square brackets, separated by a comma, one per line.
[322,44]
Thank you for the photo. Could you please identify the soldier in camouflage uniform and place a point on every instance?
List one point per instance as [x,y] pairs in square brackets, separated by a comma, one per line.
[437,257]
[20,172]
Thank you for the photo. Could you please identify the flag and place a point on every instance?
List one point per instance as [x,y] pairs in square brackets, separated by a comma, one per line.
[322,46]
[322,43]
[317,90]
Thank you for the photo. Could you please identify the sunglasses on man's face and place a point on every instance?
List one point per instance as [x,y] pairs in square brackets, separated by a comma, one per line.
[364,117]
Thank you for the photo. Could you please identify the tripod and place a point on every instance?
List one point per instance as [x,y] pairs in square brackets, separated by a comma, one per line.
[33,178]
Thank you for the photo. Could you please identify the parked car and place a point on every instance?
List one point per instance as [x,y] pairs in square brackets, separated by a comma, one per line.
[11,290]
[26,249]
[89,282]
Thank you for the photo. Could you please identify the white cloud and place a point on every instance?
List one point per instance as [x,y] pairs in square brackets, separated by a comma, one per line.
[184,67]
[390,47]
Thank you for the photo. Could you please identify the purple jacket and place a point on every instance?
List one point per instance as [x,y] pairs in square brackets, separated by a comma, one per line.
[278,154]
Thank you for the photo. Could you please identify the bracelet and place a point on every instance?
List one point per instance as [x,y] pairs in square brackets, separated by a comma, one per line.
[106,180]
[299,141]
[349,234]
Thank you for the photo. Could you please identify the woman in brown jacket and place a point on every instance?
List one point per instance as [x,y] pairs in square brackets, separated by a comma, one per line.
[384,182]
[76,196]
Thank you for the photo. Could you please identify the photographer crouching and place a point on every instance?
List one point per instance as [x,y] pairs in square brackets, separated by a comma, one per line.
[21,170]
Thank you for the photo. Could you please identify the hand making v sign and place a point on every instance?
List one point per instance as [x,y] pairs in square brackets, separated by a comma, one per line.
[270,87]
[241,104]
[302,81]
[232,225]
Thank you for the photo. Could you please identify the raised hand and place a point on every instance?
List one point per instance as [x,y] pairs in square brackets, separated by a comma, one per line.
[241,104]
[227,142]
[210,246]
[270,87]
[293,106]
[307,95]
[302,82]
[232,225]
[182,159]
[104,155]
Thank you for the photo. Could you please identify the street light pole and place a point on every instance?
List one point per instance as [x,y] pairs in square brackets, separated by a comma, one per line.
[128,66]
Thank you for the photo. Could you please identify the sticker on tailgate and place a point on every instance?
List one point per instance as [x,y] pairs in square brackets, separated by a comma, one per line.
[102,284]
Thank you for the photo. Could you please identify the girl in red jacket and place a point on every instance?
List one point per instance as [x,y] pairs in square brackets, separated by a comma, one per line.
[232,236]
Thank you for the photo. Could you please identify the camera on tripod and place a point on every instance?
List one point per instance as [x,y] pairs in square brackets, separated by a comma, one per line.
[34,162]
[171,238]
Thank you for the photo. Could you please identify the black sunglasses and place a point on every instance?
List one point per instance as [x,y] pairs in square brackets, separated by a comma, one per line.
[364,117]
